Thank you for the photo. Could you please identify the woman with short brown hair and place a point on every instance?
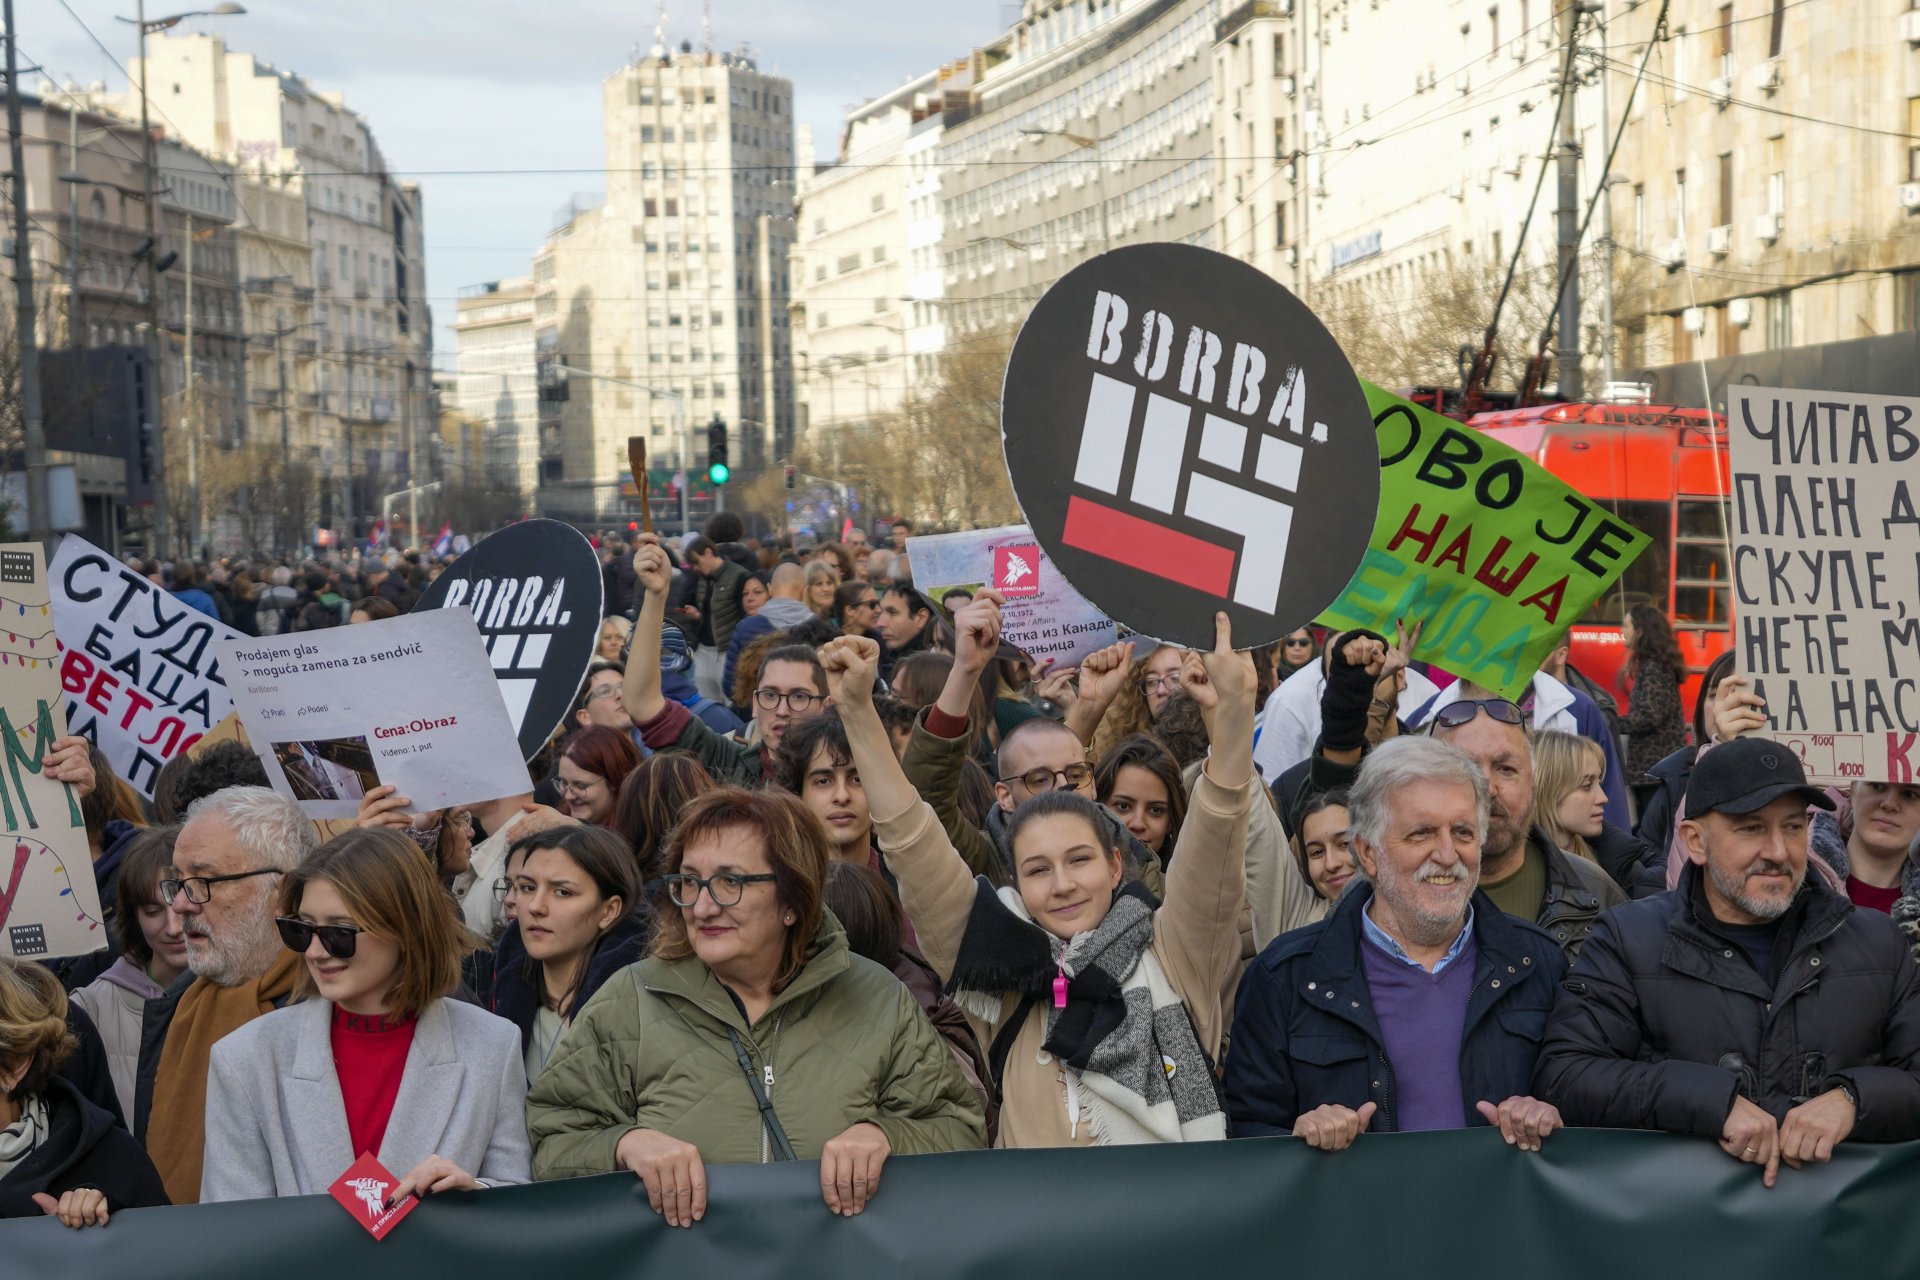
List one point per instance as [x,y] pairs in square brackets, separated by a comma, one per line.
[753,1033]
[375,1058]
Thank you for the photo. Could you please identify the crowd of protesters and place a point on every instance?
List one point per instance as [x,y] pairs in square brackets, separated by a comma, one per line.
[821,868]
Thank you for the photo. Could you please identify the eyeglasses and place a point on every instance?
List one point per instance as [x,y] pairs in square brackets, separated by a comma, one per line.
[1455,714]
[726,889]
[501,888]
[1159,684]
[339,940]
[1291,643]
[200,888]
[576,788]
[868,603]
[604,691]
[798,702]
[1074,776]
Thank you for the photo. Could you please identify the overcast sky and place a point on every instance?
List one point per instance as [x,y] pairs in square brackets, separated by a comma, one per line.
[494,88]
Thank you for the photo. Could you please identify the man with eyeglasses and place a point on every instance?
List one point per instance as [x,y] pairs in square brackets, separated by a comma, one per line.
[791,685]
[228,861]
[1036,756]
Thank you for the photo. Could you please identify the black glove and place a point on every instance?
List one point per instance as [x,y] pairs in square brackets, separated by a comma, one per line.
[1349,693]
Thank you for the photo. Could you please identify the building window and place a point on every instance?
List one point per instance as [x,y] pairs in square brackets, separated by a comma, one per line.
[1280,224]
[1779,321]
[1279,56]
[879,201]
[1639,216]
[1777,28]
[1726,189]
[1776,193]
[1680,202]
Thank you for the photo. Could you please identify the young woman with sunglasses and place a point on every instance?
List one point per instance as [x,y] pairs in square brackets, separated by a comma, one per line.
[577,921]
[751,1034]
[374,1058]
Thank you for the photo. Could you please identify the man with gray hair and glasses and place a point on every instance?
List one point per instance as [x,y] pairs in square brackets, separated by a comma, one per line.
[1417,1004]
[224,885]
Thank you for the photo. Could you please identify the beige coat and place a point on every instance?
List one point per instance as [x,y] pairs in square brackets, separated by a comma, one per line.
[1196,939]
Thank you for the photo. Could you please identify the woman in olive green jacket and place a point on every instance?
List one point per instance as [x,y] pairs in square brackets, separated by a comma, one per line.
[753,1033]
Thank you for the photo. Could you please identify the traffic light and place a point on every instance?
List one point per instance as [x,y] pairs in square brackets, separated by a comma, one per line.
[718,471]
[789,477]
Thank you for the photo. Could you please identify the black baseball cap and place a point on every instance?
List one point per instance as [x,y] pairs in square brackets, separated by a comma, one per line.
[1748,774]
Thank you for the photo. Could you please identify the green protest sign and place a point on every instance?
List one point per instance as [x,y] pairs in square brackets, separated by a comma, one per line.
[1493,552]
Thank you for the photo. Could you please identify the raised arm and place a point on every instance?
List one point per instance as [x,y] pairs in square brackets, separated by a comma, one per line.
[641,689]
[1102,675]
[1196,930]
[936,885]
[943,737]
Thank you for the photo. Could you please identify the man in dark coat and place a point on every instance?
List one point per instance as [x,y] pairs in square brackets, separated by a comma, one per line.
[1752,1004]
[1418,1004]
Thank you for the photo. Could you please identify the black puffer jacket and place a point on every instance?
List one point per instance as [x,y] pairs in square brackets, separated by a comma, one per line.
[1664,1019]
[83,1148]
[1577,892]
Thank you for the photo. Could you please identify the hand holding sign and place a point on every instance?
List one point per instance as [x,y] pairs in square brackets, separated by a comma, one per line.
[651,566]
[976,632]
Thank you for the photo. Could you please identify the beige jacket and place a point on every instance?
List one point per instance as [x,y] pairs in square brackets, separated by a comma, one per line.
[1196,939]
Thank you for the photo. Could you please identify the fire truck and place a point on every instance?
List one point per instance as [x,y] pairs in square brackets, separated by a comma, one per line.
[1663,470]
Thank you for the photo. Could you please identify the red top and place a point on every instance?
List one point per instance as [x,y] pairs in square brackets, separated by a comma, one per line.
[370,1056]
[1872,896]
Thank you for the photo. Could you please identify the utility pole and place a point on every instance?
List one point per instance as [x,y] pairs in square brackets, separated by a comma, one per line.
[1606,207]
[1567,357]
[286,438]
[29,341]
[157,354]
[188,423]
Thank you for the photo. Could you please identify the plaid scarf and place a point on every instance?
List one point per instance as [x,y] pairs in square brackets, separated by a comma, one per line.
[1125,1037]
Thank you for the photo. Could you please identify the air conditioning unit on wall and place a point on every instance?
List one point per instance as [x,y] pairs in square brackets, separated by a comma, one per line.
[1740,312]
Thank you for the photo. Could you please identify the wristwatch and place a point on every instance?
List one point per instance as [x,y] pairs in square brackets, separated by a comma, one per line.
[1845,1086]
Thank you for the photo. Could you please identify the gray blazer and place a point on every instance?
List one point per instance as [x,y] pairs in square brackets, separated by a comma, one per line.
[277,1125]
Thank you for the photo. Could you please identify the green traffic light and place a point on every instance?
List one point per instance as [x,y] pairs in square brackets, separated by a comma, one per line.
[718,473]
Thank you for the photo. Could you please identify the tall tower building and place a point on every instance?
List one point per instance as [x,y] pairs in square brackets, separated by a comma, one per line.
[664,305]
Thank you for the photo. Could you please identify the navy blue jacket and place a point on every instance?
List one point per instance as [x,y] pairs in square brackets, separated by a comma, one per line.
[1305,1035]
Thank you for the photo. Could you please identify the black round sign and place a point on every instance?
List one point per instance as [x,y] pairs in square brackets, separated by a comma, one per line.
[1184,437]
[535,589]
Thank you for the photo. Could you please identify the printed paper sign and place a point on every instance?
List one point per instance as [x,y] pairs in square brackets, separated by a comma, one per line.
[1826,574]
[1184,438]
[334,713]
[48,903]
[138,667]
[1044,615]
[1016,571]
[363,1191]
[536,592]
[1493,552]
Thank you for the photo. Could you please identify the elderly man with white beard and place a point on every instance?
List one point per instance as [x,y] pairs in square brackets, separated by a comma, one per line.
[1417,1004]
[225,886]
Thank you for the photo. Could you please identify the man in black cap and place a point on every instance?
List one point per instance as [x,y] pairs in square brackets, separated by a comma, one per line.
[1752,1003]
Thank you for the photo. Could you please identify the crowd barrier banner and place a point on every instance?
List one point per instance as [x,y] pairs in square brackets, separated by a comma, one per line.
[1826,575]
[1594,1205]
[1494,553]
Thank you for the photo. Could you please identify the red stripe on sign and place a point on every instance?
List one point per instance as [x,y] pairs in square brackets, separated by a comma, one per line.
[1148,547]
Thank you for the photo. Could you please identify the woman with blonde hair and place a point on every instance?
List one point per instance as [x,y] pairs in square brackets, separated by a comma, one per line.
[823,583]
[1570,799]
[375,1058]
[59,1153]
[614,633]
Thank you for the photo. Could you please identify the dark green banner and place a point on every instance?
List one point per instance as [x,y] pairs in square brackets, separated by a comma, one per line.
[1600,1204]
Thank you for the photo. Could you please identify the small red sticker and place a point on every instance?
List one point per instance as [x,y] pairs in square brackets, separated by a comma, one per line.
[1016,571]
[363,1191]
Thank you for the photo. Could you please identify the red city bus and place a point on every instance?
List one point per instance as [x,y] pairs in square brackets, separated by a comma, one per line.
[1662,470]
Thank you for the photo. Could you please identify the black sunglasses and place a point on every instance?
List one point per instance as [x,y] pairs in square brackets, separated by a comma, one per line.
[338,939]
[1455,714]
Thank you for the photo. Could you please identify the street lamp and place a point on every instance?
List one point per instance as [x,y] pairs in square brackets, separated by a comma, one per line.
[679,430]
[1085,143]
[148,159]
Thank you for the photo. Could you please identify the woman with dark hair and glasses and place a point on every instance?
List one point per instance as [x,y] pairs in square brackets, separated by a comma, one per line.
[856,606]
[752,1034]
[374,1059]
[578,919]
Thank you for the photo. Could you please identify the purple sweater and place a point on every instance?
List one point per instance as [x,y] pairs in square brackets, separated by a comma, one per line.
[1422,1017]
